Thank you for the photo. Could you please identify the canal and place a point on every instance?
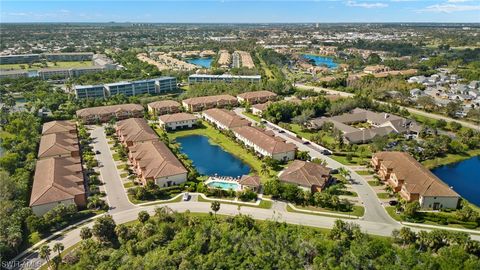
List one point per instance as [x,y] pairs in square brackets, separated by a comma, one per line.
[464,177]
[210,159]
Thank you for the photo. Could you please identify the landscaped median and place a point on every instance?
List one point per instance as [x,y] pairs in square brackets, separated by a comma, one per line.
[265,204]
[357,211]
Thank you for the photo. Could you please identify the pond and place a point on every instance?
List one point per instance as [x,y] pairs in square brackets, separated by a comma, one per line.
[464,177]
[321,60]
[204,62]
[210,159]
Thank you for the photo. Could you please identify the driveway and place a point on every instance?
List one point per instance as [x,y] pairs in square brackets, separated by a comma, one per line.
[116,193]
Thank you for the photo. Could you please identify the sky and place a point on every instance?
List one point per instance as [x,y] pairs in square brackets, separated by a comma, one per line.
[241,11]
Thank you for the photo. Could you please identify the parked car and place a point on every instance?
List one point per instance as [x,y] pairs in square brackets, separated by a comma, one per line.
[326,152]
[281,131]
[306,142]
[186,196]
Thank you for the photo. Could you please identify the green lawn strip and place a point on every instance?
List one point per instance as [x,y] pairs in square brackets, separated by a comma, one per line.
[176,200]
[344,161]
[450,158]
[135,201]
[374,183]
[123,175]
[128,185]
[229,145]
[263,203]
[122,167]
[357,211]
[116,157]
[252,116]
[73,64]
[392,212]
[364,172]
[383,195]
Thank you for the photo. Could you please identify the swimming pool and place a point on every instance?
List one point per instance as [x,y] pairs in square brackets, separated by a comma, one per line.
[223,185]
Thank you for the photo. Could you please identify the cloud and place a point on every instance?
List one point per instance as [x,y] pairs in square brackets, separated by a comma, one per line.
[458,1]
[366,5]
[449,8]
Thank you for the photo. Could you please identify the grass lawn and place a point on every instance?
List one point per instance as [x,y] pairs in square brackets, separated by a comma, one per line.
[128,185]
[344,161]
[392,212]
[383,195]
[263,203]
[123,175]
[176,200]
[116,157]
[357,210]
[450,158]
[74,64]
[135,201]
[122,167]
[297,129]
[374,183]
[228,144]
[364,172]
[252,116]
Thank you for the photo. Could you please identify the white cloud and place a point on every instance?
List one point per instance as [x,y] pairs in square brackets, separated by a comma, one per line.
[458,1]
[449,8]
[366,5]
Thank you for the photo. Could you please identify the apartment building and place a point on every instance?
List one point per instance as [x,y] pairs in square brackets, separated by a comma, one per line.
[89,91]
[413,181]
[163,107]
[265,143]
[58,175]
[104,114]
[63,73]
[207,78]
[177,121]
[256,97]
[134,131]
[13,74]
[19,59]
[153,161]
[224,119]
[68,57]
[203,103]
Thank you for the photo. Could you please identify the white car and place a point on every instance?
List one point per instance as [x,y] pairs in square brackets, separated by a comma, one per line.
[186,196]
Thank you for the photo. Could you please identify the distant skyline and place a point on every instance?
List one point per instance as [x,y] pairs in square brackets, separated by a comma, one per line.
[242,11]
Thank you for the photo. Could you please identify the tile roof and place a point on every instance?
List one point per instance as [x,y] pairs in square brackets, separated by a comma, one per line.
[250,180]
[306,174]
[176,117]
[264,140]
[107,110]
[56,179]
[227,118]
[211,99]
[257,94]
[136,130]
[156,159]
[417,178]
[55,144]
[59,126]
[164,104]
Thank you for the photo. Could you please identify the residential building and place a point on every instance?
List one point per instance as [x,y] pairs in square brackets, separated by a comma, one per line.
[57,181]
[153,161]
[377,124]
[65,126]
[256,97]
[106,113]
[265,143]
[13,74]
[258,109]
[413,181]
[59,144]
[68,57]
[89,91]
[177,121]
[251,182]
[207,78]
[19,59]
[133,131]
[375,69]
[202,103]
[163,107]
[307,175]
[63,73]
[224,119]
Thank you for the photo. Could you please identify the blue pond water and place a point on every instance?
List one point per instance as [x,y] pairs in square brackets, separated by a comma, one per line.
[211,159]
[464,177]
[205,62]
[321,60]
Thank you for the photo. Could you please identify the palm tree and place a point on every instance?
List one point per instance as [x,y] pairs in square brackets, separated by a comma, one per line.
[264,169]
[58,247]
[215,207]
[344,172]
[45,253]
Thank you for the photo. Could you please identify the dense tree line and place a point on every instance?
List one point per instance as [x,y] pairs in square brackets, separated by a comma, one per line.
[170,240]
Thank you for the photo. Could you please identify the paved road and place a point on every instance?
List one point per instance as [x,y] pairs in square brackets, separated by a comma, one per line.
[374,211]
[116,194]
[411,110]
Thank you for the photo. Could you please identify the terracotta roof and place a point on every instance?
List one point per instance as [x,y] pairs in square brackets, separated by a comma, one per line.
[59,126]
[136,130]
[164,104]
[56,179]
[227,118]
[417,178]
[210,99]
[250,180]
[156,159]
[176,117]
[257,94]
[266,141]
[106,110]
[261,106]
[306,174]
[55,144]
